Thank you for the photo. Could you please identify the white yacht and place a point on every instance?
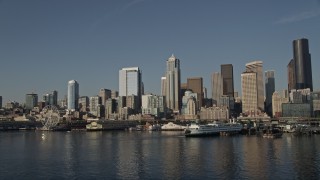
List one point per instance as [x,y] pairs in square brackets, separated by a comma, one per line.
[211,129]
[172,127]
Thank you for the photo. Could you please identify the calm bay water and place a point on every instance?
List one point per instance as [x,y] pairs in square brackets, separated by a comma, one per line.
[155,155]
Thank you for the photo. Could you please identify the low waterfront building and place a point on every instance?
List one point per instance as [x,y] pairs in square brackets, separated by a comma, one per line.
[296,110]
[214,113]
[315,103]
[300,95]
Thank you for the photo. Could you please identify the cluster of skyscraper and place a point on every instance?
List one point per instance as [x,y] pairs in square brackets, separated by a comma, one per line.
[189,100]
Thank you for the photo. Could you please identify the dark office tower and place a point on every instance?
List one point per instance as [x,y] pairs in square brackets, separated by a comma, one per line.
[196,85]
[270,88]
[291,75]
[227,79]
[302,59]
[55,97]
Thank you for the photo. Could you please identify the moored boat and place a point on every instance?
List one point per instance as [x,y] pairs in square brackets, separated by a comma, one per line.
[272,133]
[212,129]
[172,127]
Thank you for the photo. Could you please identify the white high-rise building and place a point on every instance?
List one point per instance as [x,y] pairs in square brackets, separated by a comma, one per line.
[256,66]
[249,93]
[173,84]
[217,88]
[73,95]
[130,82]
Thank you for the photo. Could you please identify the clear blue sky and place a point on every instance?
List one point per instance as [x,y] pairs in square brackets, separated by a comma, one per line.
[46,43]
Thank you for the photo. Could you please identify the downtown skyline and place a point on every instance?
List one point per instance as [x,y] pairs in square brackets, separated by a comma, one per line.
[42,51]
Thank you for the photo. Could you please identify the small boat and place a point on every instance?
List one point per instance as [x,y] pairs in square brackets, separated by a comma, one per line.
[154,127]
[172,127]
[137,128]
[272,133]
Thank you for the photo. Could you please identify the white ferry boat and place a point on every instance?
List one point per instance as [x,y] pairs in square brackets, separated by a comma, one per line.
[172,127]
[211,129]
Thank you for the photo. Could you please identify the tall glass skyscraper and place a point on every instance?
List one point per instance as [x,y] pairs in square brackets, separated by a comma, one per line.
[173,84]
[302,61]
[73,95]
[227,79]
[270,88]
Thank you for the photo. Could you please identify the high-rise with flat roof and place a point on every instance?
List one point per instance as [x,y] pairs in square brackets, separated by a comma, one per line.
[114,94]
[195,84]
[302,61]
[0,102]
[256,66]
[130,83]
[31,101]
[227,79]
[51,98]
[249,93]
[95,101]
[270,88]
[83,103]
[173,84]
[217,88]
[104,94]
[291,75]
[73,95]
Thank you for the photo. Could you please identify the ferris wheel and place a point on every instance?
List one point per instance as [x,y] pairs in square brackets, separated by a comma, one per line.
[50,117]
